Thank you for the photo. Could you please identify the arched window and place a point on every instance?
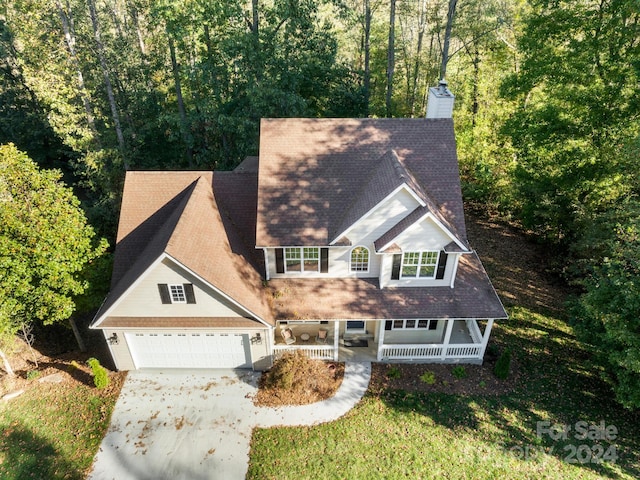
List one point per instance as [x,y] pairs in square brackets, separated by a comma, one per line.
[360,259]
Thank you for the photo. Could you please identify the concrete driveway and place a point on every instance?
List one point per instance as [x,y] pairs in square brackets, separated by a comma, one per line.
[197,424]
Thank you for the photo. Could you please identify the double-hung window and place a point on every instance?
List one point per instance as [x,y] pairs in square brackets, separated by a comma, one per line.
[419,264]
[302,259]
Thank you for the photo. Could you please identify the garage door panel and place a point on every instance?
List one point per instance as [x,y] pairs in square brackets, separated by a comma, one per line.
[189,350]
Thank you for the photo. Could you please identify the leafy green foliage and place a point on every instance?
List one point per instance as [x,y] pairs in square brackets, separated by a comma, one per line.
[428,377]
[503,365]
[45,243]
[607,315]
[100,375]
[394,372]
[459,372]
[579,104]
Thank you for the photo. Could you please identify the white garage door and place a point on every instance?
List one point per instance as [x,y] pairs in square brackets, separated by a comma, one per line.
[189,350]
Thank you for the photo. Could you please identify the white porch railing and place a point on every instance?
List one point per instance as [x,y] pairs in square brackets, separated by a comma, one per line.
[430,351]
[315,352]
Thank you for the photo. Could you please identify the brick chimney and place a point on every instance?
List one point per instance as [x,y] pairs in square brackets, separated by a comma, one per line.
[440,101]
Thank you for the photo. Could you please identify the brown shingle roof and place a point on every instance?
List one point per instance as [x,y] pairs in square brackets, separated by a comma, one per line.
[189,227]
[350,298]
[386,176]
[311,169]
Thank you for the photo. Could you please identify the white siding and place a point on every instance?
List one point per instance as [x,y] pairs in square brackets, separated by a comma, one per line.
[363,233]
[143,300]
[426,235]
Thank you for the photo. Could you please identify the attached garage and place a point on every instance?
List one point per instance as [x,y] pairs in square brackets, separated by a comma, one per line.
[189,350]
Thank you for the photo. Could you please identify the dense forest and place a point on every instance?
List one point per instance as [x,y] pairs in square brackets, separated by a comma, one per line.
[547,111]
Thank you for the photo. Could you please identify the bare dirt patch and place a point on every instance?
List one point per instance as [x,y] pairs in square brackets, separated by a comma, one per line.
[68,369]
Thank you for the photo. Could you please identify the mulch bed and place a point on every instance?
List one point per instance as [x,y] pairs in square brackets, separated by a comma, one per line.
[479,379]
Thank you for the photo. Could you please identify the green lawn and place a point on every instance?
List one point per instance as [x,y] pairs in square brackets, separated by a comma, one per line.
[398,434]
[53,431]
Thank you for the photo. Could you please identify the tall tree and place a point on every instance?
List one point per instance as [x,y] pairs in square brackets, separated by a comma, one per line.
[391,58]
[45,243]
[578,104]
[115,115]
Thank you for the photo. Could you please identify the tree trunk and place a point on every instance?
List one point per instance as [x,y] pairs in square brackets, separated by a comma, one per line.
[107,81]
[476,79]
[447,37]
[367,55]
[416,65]
[181,110]
[70,40]
[391,57]
[133,11]
[7,365]
[76,333]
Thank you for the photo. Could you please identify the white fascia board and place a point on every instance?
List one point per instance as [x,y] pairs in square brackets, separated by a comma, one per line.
[404,186]
[126,293]
[217,290]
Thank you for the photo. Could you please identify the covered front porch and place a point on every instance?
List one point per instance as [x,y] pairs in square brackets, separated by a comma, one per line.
[408,340]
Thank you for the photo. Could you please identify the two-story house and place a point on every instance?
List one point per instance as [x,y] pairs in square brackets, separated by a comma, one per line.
[345,238]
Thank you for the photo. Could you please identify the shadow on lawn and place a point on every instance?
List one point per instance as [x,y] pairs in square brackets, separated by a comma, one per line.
[557,387]
[27,455]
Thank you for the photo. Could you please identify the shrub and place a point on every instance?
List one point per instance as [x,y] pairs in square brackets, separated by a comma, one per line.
[393,372]
[501,370]
[295,379]
[33,374]
[459,372]
[428,377]
[100,376]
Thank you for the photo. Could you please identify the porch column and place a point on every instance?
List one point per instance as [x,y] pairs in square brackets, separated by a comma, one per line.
[447,337]
[381,326]
[336,340]
[485,337]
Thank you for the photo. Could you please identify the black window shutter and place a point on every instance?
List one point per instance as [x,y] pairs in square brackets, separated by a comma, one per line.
[189,293]
[442,263]
[388,324]
[279,260]
[395,269]
[163,288]
[324,260]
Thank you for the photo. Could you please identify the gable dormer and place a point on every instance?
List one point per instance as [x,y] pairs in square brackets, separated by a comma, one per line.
[419,251]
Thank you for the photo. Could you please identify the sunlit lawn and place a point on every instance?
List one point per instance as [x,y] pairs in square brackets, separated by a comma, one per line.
[53,431]
[415,435]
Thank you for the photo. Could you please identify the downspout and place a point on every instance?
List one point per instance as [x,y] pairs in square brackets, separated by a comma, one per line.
[266,264]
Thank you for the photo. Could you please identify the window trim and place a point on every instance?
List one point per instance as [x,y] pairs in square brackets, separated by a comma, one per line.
[180,291]
[419,265]
[302,257]
[367,256]
[431,324]
[167,297]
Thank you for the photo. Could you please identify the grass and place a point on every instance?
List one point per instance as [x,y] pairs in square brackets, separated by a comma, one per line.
[404,434]
[53,431]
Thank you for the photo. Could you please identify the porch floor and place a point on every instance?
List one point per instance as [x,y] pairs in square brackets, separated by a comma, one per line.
[358,354]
